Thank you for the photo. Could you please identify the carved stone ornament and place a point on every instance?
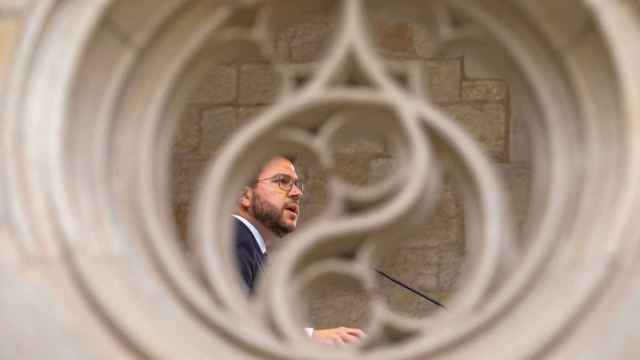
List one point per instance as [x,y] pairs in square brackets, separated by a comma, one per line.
[90,260]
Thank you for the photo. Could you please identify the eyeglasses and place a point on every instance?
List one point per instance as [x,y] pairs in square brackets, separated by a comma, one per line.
[285,182]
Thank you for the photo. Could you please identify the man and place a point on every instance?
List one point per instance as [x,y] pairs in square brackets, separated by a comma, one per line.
[268,210]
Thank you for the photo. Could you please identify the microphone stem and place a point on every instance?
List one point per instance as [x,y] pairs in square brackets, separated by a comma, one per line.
[397,282]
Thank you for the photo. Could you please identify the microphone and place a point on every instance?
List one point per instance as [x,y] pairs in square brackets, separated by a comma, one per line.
[351,255]
[406,287]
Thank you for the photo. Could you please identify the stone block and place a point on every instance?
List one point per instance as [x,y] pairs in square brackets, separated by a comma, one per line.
[181,214]
[188,132]
[186,172]
[259,84]
[392,36]
[425,280]
[522,112]
[425,41]
[306,42]
[249,114]
[448,279]
[407,259]
[443,80]
[518,182]
[282,49]
[217,87]
[354,157]
[450,204]
[218,125]
[486,123]
[315,190]
[380,169]
[484,90]
[444,226]
[450,269]
[9,28]
[441,229]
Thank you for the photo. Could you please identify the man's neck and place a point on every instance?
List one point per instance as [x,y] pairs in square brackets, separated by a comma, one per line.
[267,235]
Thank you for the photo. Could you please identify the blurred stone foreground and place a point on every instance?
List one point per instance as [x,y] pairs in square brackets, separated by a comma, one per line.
[471,80]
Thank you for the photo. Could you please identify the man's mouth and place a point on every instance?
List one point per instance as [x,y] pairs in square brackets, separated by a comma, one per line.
[294,208]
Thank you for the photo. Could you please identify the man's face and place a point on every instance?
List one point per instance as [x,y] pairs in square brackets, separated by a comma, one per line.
[275,208]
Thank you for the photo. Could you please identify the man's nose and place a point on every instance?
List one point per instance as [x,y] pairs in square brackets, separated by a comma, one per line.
[295,191]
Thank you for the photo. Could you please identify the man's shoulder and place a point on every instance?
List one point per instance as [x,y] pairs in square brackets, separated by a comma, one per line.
[242,232]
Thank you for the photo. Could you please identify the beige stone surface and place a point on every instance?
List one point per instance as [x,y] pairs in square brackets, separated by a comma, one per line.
[441,229]
[247,114]
[353,159]
[315,187]
[450,268]
[406,303]
[483,90]
[217,126]
[218,87]
[14,7]
[9,30]
[393,38]
[443,80]
[307,41]
[425,41]
[518,182]
[181,214]
[259,84]
[417,266]
[188,131]
[339,308]
[487,123]
[185,173]
[132,17]
[379,169]
[411,261]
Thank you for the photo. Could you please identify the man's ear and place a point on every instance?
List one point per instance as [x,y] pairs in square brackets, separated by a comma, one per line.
[245,198]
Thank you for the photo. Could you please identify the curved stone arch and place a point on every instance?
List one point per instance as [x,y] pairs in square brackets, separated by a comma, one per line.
[86,193]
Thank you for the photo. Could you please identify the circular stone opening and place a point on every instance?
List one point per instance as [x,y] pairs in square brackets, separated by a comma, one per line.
[105,145]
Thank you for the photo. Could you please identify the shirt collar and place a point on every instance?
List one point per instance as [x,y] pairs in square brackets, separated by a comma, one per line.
[254,232]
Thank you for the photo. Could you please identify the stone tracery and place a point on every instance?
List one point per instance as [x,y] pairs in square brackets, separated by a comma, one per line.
[83,192]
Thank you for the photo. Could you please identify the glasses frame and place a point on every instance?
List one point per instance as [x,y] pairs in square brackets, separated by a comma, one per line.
[296,182]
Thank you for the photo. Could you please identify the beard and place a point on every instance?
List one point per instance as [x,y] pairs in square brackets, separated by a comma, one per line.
[270,216]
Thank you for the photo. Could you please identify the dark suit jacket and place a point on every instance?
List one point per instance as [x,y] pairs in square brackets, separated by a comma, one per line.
[250,258]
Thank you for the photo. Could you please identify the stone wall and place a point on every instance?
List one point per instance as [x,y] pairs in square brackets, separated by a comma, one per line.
[233,94]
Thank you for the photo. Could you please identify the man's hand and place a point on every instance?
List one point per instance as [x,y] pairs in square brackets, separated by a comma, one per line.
[338,336]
